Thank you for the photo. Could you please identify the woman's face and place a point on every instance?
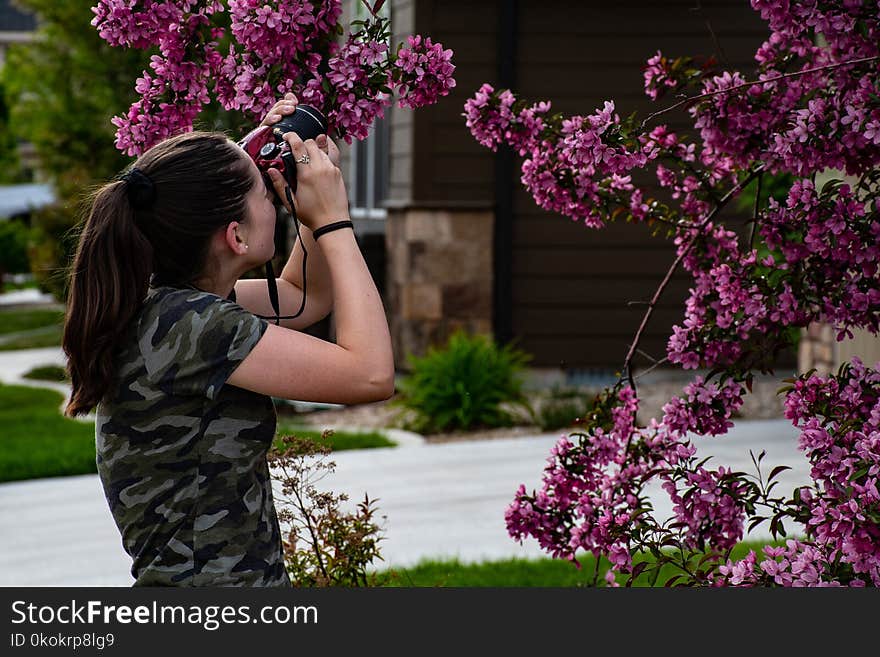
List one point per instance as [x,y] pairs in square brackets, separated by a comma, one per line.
[259,226]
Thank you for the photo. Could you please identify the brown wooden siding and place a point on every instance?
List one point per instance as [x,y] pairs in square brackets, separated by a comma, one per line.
[572,286]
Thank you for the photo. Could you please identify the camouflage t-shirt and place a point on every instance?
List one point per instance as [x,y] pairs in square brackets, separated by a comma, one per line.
[181,456]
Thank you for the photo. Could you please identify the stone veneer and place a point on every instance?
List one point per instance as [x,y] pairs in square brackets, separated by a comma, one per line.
[817,349]
[439,276]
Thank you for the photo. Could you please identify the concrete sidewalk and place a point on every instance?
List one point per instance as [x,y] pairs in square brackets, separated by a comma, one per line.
[440,501]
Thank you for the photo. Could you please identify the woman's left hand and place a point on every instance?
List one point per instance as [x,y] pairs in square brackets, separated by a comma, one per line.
[283,107]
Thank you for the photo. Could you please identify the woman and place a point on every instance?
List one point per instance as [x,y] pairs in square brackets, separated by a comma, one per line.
[182,375]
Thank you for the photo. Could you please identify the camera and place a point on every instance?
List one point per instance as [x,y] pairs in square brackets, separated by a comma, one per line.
[267,148]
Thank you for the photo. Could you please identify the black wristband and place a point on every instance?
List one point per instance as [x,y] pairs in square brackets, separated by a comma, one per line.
[329,227]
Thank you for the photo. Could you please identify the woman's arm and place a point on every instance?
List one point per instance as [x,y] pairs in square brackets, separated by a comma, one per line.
[294,365]
[253,293]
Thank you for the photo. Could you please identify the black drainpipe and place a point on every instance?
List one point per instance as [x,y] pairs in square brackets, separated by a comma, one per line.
[502,243]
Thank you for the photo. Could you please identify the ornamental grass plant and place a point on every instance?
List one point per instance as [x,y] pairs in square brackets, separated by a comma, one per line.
[469,383]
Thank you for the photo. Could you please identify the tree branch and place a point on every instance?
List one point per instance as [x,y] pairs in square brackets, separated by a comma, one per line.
[757,206]
[691,99]
[626,370]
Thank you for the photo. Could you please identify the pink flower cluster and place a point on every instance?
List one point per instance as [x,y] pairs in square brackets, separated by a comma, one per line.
[659,76]
[706,410]
[588,499]
[424,72]
[592,495]
[832,240]
[797,565]
[824,246]
[839,419]
[826,117]
[712,508]
[276,47]
[579,167]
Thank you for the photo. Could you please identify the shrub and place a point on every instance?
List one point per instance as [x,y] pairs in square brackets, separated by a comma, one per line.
[51,249]
[325,546]
[13,248]
[48,373]
[463,385]
[562,408]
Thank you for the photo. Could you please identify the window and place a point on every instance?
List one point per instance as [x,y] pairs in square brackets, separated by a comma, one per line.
[369,173]
[369,163]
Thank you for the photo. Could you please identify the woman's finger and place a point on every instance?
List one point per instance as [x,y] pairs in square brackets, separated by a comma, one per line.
[297,147]
[280,185]
[280,109]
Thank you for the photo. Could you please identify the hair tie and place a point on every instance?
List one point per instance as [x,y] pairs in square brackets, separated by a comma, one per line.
[141,190]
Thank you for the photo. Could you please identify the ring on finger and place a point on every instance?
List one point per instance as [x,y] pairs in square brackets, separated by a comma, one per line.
[305,159]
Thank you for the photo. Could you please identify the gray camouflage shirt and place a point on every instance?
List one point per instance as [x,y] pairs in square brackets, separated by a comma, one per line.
[181,456]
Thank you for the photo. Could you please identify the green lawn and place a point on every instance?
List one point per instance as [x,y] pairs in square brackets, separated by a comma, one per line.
[525,572]
[30,328]
[340,440]
[37,441]
[16,320]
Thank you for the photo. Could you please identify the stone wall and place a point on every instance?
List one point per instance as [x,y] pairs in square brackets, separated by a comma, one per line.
[817,349]
[439,276]
[820,349]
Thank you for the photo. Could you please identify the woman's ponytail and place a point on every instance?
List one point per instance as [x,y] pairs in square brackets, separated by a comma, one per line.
[108,284]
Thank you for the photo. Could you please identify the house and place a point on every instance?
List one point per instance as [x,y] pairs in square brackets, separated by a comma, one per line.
[467,246]
[16,26]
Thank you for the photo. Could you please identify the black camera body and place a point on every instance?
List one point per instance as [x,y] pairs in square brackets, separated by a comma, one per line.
[267,148]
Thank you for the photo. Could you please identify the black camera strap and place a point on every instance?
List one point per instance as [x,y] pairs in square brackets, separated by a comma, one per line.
[270,274]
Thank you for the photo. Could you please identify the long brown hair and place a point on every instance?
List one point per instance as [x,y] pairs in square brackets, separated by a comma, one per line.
[197,183]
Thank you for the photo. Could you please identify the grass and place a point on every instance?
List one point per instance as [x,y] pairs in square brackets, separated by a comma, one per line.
[33,328]
[339,441]
[10,286]
[526,572]
[54,373]
[49,338]
[37,441]
[16,320]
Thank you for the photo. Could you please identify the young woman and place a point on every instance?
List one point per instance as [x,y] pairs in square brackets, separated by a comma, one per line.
[165,340]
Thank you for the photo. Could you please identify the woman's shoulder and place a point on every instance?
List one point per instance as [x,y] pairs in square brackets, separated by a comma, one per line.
[192,311]
[173,304]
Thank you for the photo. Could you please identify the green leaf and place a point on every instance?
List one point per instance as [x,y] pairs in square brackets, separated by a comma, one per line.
[777,470]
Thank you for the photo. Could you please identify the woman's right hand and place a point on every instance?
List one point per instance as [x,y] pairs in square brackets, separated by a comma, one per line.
[320,197]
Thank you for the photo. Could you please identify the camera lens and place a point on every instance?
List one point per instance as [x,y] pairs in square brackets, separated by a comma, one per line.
[306,121]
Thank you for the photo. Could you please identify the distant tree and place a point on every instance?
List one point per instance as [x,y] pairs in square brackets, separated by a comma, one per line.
[63,88]
[10,167]
[61,91]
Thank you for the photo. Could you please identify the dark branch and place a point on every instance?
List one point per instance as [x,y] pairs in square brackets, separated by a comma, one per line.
[757,207]
[692,99]
[626,370]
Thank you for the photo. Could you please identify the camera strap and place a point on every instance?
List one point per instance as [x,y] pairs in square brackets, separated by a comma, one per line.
[270,274]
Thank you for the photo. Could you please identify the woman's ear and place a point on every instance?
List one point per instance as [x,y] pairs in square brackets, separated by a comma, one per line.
[236,238]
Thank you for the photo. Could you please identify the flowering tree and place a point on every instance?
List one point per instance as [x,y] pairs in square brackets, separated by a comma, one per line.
[246,53]
[812,104]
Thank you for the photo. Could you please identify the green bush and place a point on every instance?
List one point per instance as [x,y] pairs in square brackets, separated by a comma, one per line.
[562,408]
[462,386]
[13,248]
[52,245]
[48,373]
[325,545]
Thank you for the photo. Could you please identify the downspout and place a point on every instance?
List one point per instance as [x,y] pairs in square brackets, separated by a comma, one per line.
[502,241]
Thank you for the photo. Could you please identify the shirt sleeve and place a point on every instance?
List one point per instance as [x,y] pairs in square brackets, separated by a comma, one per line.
[194,342]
